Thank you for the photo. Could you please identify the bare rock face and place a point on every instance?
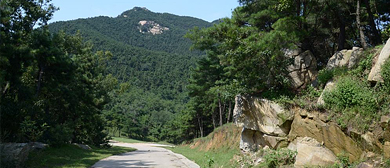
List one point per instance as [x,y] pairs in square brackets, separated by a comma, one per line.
[303,70]
[264,123]
[327,133]
[151,27]
[312,153]
[262,115]
[345,58]
[375,73]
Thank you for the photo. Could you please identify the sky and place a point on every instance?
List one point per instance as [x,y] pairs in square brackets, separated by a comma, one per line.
[208,10]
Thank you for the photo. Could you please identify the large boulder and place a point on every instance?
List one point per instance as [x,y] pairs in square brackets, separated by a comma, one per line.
[327,133]
[14,154]
[345,58]
[375,73]
[311,153]
[262,115]
[304,68]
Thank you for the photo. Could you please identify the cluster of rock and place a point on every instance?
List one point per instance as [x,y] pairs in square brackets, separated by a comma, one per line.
[15,154]
[303,70]
[316,139]
[151,27]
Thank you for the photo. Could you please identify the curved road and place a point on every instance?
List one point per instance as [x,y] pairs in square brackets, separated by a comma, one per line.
[146,155]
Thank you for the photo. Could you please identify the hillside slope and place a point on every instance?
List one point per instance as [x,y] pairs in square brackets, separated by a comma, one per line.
[152,56]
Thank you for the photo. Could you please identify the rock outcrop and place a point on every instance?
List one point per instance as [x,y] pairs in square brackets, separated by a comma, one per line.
[264,123]
[268,125]
[375,73]
[345,58]
[327,133]
[262,115]
[151,27]
[304,68]
[311,153]
[15,154]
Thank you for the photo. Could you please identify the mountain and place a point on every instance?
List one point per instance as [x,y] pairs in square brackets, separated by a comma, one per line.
[151,54]
[148,48]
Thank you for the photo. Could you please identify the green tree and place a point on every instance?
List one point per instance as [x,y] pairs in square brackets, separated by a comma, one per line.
[55,87]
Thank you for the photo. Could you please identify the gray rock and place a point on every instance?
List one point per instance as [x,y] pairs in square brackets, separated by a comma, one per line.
[82,146]
[345,58]
[355,57]
[262,115]
[38,145]
[14,154]
[304,68]
[375,73]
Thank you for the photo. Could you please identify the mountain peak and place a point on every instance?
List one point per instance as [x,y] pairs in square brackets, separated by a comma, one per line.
[140,9]
[135,10]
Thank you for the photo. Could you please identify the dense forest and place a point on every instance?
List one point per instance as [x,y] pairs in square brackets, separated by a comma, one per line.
[153,69]
[81,80]
[53,86]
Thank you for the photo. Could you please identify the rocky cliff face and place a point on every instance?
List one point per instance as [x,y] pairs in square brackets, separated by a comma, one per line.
[312,134]
[151,27]
[267,125]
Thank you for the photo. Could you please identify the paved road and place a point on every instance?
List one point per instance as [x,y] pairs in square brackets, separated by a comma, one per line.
[146,155]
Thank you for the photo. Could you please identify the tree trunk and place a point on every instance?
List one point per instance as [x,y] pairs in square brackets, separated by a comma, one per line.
[200,123]
[361,32]
[230,111]
[377,37]
[342,33]
[40,75]
[213,118]
[220,109]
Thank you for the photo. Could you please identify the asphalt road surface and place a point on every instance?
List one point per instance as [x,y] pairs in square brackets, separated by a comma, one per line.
[146,155]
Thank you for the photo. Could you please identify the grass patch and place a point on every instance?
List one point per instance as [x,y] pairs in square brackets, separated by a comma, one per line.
[71,156]
[216,158]
[127,140]
[215,150]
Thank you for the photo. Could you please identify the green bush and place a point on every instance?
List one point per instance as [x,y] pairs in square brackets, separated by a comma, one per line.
[385,72]
[324,75]
[351,92]
[59,134]
[277,158]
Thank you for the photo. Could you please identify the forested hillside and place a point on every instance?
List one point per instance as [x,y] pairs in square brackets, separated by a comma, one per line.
[151,57]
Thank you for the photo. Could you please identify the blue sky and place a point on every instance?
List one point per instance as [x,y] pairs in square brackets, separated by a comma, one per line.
[208,10]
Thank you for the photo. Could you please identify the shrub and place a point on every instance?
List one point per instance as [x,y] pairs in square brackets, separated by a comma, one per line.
[350,92]
[59,134]
[385,72]
[277,158]
[324,75]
